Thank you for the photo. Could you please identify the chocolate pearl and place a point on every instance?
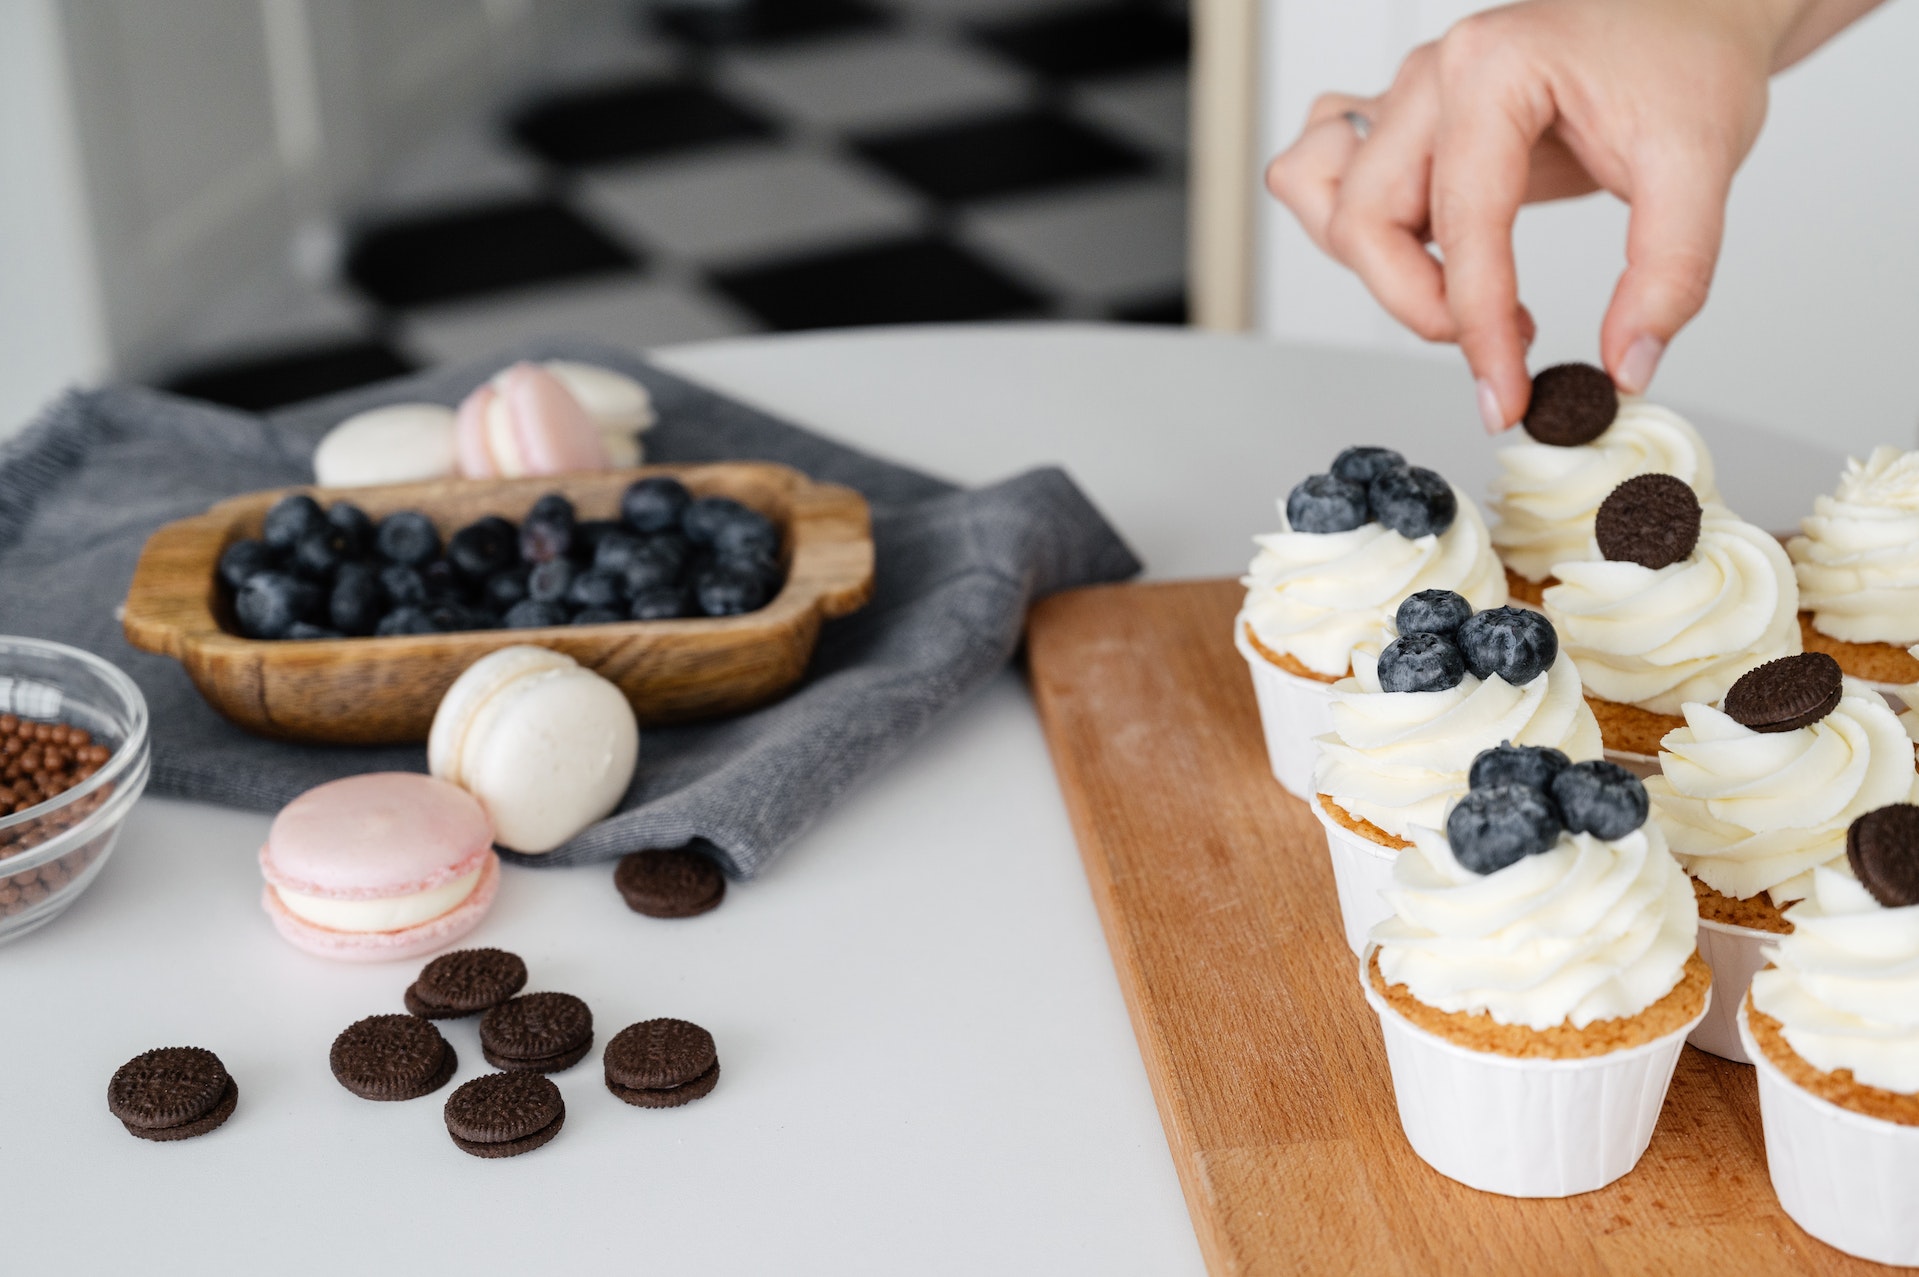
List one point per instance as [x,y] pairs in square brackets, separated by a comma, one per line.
[9,723]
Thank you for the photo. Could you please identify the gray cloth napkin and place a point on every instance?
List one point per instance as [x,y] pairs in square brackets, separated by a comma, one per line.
[83,486]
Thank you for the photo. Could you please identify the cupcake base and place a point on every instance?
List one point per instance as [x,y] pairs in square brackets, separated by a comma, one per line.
[1363,857]
[1886,666]
[1524,593]
[1295,710]
[1629,733]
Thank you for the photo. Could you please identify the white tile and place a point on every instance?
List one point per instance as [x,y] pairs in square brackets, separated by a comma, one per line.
[1109,244]
[747,201]
[876,80]
[1148,107]
[633,313]
[268,314]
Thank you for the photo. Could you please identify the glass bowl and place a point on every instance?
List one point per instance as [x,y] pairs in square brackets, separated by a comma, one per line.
[51,852]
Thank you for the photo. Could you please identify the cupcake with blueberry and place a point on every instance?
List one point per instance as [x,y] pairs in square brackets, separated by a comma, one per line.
[1833,1026]
[1857,559]
[1355,542]
[1581,441]
[1681,601]
[1755,795]
[1536,978]
[1408,724]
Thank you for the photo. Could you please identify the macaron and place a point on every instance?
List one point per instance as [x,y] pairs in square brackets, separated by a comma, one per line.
[382,866]
[546,745]
[401,443]
[620,407]
[526,422]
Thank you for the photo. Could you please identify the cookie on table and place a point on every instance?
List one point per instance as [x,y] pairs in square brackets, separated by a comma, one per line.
[504,1114]
[541,1032]
[173,1093]
[392,1057]
[672,882]
[465,982]
[661,1063]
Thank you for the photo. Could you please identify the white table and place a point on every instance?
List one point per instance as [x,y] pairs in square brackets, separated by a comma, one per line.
[927,1066]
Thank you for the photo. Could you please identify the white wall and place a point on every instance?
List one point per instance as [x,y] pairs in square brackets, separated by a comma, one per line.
[1814,318]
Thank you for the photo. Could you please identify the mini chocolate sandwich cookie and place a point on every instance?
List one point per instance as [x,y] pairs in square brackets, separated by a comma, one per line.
[174,1093]
[1571,404]
[543,1032]
[658,1064]
[1650,519]
[674,882]
[504,1114]
[1786,694]
[1883,849]
[392,1057]
[465,982]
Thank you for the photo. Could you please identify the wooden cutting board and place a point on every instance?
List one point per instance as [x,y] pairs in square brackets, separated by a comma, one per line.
[1217,899]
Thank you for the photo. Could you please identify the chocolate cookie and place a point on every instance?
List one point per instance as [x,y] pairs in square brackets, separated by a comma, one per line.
[674,882]
[1571,404]
[504,1114]
[1650,519]
[465,982]
[392,1057]
[173,1093]
[1883,849]
[545,1032]
[661,1063]
[1785,694]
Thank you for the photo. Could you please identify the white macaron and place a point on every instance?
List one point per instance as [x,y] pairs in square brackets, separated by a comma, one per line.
[401,443]
[546,745]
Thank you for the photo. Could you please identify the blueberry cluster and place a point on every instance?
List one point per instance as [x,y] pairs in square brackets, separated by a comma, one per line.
[1441,638]
[334,573]
[1522,796]
[1372,484]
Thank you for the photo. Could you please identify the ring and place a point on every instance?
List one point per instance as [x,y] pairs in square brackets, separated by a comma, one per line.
[1362,126]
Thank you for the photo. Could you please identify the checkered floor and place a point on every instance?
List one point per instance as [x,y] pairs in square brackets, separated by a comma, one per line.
[704,171]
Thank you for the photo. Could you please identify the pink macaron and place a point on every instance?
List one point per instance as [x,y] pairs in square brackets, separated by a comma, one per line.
[524,422]
[383,866]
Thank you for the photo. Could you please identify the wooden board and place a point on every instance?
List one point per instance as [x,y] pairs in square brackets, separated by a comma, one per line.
[1217,898]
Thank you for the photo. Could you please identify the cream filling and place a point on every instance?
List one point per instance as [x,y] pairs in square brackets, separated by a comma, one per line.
[386,913]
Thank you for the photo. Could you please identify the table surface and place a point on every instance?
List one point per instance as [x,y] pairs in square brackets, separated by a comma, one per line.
[928,1065]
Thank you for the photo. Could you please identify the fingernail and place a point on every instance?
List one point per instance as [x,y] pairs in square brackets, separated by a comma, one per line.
[1489,411]
[1641,361]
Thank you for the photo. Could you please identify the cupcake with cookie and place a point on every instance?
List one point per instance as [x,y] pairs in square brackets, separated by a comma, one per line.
[1857,559]
[1355,542]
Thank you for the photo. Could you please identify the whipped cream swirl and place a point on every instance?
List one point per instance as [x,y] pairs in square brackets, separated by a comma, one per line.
[1747,811]
[1545,498]
[1845,984]
[1398,759]
[1858,557]
[1318,595]
[1590,930]
[1660,637]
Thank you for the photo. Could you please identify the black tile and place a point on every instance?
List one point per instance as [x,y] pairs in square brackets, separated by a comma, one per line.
[630,120]
[1153,310]
[264,381]
[911,281]
[1098,40]
[1001,155]
[761,22]
[440,256]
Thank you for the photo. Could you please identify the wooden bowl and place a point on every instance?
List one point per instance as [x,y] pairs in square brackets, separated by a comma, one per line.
[376,691]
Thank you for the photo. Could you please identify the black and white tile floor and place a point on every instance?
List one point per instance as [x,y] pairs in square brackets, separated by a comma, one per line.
[794,164]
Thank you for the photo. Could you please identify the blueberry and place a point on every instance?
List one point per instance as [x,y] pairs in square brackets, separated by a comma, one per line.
[703,519]
[1513,642]
[597,616]
[358,600]
[616,550]
[1508,764]
[724,591]
[270,602]
[1327,503]
[321,553]
[651,568]
[586,537]
[504,589]
[406,620]
[450,617]
[531,614]
[660,603]
[305,630]
[1420,663]
[407,537]
[549,581]
[595,588]
[290,519]
[243,559]
[547,531]
[484,547]
[1492,828]
[353,521]
[403,585]
[748,535]
[1413,501]
[1432,612]
[1600,798]
[1364,464]
[654,505]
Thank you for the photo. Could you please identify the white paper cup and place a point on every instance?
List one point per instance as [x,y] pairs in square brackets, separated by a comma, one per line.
[1361,870]
[1733,954]
[1843,1177]
[1524,1128]
[1293,711]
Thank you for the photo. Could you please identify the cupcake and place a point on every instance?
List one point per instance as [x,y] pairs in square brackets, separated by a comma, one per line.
[1833,1026]
[1409,722]
[1680,602]
[1756,795]
[1355,542]
[1583,440]
[1536,979]
[1857,559]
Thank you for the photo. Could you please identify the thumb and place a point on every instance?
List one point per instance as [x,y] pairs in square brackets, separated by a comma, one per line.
[1672,246]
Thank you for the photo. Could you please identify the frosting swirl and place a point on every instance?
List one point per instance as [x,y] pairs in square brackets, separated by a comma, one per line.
[1845,984]
[1747,811]
[1545,497]
[1660,637]
[1858,555]
[1590,930]
[1398,758]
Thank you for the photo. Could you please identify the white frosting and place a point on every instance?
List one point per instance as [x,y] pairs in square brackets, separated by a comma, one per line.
[1845,984]
[384,913]
[1590,930]
[1858,557]
[1545,498]
[1318,595]
[1749,811]
[1660,637]
[1398,759]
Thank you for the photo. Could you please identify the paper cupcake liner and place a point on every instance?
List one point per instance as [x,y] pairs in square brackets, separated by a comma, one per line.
[1525,1128]
[1734,956]
[1640,765]
[1361,870]
[1293,711]
[1843,1177]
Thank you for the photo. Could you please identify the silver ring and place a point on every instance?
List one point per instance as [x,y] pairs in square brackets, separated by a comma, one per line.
[1362,126]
